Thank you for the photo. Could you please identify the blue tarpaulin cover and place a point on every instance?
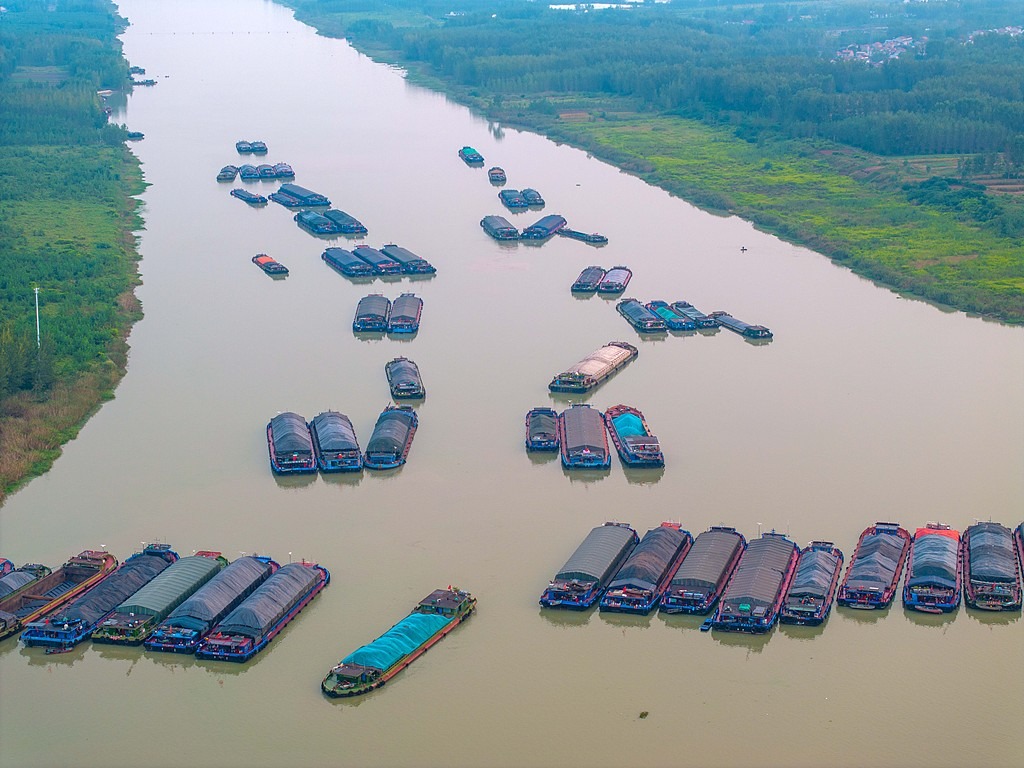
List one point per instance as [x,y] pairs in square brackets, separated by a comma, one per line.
[627,424]
[402,639]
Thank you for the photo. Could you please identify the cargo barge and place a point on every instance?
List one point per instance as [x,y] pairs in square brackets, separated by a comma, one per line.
[513,199]
[269,265]
[470,156]
[227,173]
[346,223]
[19,580]
[243,147]
[258,147]
[632,438]
[640,317]
[934,570]
[76,576]
[738,326]
[582,437]
[588,280]
[381,263]
[346,262]
[584,237]
[533,197]
[404,379]
[283,171]
[991,577]
[875,567]
[289,444]
[334,443]
[372,314]
[686,309]
[293,196]
[542,430]
[72,623]
[195,618]
[810,596]
[615,280]
[543,228]
[640,582]
[392,438]
[374,664]
[699,582]
[406,312]
[261,616]
[672,319]
[138,616]
[248,172]
[411,263]
[266,171]
[499,228]
[753,598]
[582,580]
[315,223]
[594,368]
[496,175]
[249,197]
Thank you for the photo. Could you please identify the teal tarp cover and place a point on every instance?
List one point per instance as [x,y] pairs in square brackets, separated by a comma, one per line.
[402,639]
[628,424]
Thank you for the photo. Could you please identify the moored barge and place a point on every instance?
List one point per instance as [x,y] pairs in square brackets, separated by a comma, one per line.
[266,171]
[289,444]
[640,582]
[584,237]
[543,228]
[513,199]
[404,379]
[248,172]
[615,280]
[875,567]
[138,616]
[499,228]
[381,263]
[810,596]
[293,196]
[315,223]
[470,156]
[406,312]
[542,429]
[532,197]
[72,623]
[991,577]
[392,436]
[686,309]
[704,572]
[243,147]
[335,443]
[496,175]
[249,197]
[346,223]
[673,320]
[374,664]
[258,147]
[588,280]
[195,618]
[632,438]
[76,576]
[582,580]
[582,436]
[18,580]
[594,368]
[269,265]
[753,597]
[934,570]
[261,616]
[410,262]
[372,314]
[227,173]
[346,262]
[738,326]
[640,317]
[283,171]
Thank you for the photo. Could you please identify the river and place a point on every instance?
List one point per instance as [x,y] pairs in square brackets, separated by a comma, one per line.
[866,406]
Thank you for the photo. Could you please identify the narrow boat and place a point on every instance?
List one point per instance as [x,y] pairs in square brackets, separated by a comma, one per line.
[72,623]
[72,579]
[289,444]
[404,379]
[406,311]
[934,570]
[496,175]
[615,280]
[374,664]
[499,228]
[269,265]
[640,317]
[588,280]
[228,173]
[335,443]
[347,262]
[283,171]
[261,616]
[594,368]
[875,567]
[283,198]
[543,228]
[512,199]
[18,580]
[810,596]
[266,171]
[593,238]
[195,618]
[704,573]
[392,438]
[305,196]
[673,320]
[584,442]
[582,580]
[632,438]
[372,314]
[347,223]
[470,156]
[243,147]
[249,197]
[314,223]
[258,147]
[542,429]
[991,578]
[410,262]
[248,172]
[138,616]
[640,582]
[686,309]
[738,326]
[381,263]
[753,597]
[532,197]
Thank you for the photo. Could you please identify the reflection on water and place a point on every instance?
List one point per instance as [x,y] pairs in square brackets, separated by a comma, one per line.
[626,621]
[565,618]
[683,621]
[647,476]
[352,479]
[747,642]
[586,475]
[295,481]
[861,615]
[924,619]
[802,631]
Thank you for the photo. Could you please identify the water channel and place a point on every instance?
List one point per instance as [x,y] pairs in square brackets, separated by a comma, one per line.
[866,406]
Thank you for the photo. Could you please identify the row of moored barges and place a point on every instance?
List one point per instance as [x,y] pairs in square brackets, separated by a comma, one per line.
[580,434]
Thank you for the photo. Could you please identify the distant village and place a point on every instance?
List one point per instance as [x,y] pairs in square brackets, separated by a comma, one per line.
[876,54]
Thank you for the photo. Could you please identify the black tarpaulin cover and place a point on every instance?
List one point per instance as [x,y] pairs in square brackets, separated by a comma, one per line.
[404,373]
[705,563]
[934,560]
[373,305]
[814,573]
[584,428]
[542,424]
[651,558]
[991,552]
[133,575]
[406,307]
[876,561]
[758,577]
[290,434]
[390,432]
[219,595]
[636,311]
[595,557]
[334,432]
[270,602]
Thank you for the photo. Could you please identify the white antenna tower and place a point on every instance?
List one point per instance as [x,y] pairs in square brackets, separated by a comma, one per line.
[38,343]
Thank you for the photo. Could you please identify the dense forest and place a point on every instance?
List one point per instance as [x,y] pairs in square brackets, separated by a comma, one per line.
[65,223]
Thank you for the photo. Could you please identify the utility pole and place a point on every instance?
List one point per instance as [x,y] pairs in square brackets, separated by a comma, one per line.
[38,343]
